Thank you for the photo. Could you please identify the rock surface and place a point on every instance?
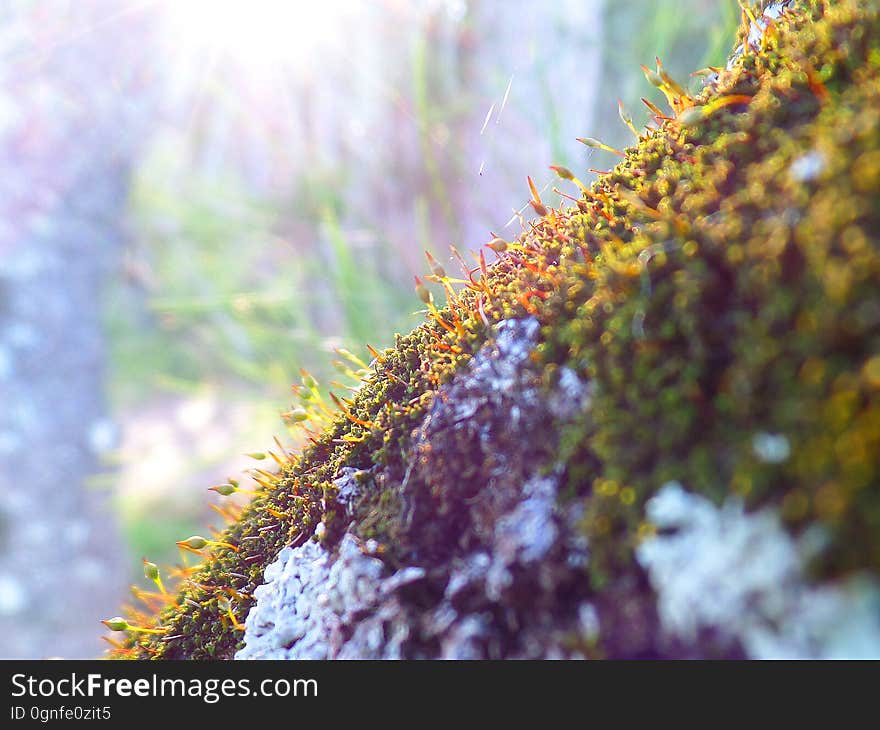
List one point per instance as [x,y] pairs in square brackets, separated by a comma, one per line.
[494,592]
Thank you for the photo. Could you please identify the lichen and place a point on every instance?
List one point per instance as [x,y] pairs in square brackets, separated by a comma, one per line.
[713,300]
[742,574]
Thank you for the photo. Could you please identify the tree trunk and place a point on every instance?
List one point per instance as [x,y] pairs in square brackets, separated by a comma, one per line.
[70,110]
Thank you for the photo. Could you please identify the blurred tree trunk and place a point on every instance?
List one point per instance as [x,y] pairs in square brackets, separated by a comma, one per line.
[72,101]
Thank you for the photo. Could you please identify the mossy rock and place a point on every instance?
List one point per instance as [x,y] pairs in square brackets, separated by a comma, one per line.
[679,374]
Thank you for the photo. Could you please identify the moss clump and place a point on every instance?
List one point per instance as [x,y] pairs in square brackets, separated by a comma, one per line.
[746,304]
[720,287]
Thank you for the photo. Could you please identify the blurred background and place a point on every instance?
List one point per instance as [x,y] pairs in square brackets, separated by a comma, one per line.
[200,197]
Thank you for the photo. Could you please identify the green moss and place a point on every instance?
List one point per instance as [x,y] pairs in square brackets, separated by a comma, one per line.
[761,314]
[722,283]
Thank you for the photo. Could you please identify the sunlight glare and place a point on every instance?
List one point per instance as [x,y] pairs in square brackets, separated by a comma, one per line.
[254,32]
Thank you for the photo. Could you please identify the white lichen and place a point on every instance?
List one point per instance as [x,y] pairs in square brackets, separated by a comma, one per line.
[758,27]
[807,167]
[772,448]
[308,596]
[742,575]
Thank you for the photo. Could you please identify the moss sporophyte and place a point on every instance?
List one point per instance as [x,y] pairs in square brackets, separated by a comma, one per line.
[720,283]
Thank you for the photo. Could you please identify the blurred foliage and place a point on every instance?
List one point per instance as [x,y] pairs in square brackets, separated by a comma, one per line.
[215,293]
[684,34]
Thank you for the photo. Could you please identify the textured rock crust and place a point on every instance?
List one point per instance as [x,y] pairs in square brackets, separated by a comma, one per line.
[497,555]
[744,576]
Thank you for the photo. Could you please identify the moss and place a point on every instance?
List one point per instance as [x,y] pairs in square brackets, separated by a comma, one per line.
[758,314]
[719,286]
